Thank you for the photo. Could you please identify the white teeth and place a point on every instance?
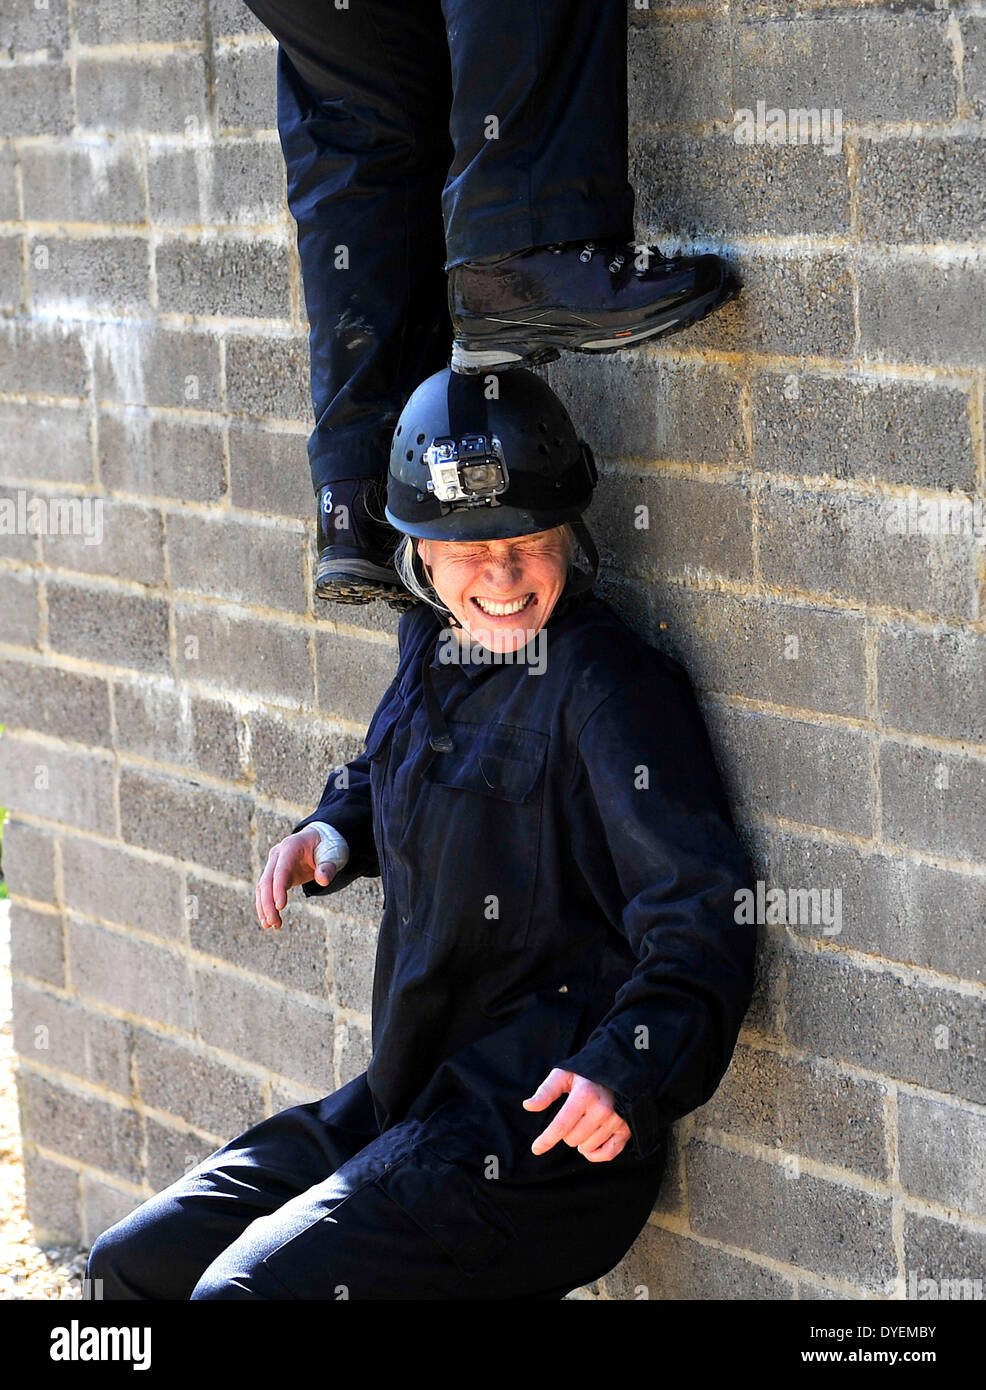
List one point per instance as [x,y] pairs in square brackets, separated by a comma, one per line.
[502,610]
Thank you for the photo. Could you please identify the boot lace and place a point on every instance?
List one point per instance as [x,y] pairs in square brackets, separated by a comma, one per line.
[644,258]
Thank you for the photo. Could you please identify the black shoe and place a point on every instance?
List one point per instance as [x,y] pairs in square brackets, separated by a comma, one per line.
[522,308]
[356,546]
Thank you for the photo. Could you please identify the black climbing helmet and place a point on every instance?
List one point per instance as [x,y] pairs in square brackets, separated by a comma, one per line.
[485,458]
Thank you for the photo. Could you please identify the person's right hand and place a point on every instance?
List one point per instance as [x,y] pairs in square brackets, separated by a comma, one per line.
[290,862]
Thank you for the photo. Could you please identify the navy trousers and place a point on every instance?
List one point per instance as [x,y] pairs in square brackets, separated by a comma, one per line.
[315,1203]
[418,134]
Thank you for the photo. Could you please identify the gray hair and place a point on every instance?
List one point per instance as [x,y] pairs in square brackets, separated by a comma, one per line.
[404,565]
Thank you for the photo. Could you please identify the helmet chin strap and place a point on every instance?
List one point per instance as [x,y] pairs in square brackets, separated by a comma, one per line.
[586,578]
[439,736]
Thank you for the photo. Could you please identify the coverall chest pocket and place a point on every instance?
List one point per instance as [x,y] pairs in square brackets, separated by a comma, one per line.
[482,805]
[381,727]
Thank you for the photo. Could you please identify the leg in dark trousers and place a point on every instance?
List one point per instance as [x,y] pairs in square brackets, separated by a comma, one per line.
[539,123]
[363,96]
[534,95]
[162,1249]
[313,1203]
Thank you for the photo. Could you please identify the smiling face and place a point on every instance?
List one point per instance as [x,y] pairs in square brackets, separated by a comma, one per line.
[501,591]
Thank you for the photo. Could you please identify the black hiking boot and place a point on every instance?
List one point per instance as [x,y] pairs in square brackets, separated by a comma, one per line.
[523,308]
[356,546]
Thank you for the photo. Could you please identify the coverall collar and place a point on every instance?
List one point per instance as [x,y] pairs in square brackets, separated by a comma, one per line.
[441,739]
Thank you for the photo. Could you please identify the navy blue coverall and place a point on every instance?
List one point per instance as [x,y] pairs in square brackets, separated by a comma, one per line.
[559,892]
[396,170]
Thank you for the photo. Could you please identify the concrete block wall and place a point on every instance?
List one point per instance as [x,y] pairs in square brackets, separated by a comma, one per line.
[793,502]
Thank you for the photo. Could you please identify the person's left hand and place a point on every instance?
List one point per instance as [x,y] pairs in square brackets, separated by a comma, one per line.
[587,1120]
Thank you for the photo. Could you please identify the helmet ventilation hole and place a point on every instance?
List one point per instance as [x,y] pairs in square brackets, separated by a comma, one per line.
[421,439]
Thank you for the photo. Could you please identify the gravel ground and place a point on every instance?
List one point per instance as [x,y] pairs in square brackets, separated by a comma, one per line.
[27,1270]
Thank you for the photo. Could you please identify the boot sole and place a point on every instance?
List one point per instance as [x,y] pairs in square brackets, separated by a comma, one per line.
[358,581]
[359,592]
[471,361]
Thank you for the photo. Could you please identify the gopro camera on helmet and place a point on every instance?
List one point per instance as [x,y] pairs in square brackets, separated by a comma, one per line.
[470,471]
